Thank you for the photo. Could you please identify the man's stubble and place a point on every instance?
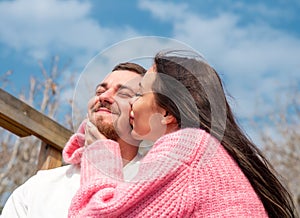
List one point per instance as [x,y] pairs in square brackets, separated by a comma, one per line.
[107,129]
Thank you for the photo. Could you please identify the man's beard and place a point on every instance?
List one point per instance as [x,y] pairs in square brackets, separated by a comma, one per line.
[108,130]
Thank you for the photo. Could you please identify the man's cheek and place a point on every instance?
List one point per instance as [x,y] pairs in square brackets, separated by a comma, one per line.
[124,106]
[124,114]
[92,102]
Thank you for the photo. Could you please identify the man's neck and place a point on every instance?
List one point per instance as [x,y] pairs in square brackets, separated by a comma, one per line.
[128,150]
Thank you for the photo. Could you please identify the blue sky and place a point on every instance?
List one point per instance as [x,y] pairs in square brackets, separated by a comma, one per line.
[254,45]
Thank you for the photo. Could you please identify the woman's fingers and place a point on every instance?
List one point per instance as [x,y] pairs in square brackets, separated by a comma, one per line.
[92,133]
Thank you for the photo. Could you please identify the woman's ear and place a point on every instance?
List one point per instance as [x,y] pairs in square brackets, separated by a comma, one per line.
[168,119]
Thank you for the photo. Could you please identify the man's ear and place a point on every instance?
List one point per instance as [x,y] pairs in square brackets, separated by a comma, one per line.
[168,119]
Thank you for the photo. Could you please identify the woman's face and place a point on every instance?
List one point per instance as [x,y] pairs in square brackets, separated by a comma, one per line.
[146,116]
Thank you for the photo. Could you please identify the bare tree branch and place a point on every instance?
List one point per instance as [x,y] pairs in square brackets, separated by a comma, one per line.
[283,147]
[19,155]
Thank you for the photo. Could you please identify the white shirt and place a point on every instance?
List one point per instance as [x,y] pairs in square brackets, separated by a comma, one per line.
[49,192]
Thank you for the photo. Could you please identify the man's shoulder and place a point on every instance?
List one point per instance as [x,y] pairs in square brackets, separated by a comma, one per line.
[66,171]
[64,176]
[43,190]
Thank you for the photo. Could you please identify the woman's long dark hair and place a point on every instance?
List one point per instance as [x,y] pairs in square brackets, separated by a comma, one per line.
[204,104]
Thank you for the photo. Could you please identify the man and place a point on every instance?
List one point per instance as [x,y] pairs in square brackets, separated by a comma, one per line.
[49,192]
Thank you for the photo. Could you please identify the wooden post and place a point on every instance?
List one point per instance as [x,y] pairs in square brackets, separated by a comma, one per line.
[49,157]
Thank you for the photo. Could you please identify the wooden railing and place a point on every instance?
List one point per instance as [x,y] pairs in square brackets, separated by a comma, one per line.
[23,120]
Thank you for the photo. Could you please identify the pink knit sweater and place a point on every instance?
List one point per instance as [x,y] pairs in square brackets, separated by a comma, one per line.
[186,174]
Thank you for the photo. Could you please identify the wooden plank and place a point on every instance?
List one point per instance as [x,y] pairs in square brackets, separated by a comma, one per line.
[24,120]
[49,157]
[12,127]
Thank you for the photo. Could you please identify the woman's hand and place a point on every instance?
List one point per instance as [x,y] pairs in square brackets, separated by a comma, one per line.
[92,133]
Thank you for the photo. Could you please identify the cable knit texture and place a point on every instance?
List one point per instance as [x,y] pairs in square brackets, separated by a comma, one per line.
[186,174]
[72,151]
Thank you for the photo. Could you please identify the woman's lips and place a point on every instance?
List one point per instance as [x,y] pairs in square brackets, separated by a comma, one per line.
[131,117]
[131,114]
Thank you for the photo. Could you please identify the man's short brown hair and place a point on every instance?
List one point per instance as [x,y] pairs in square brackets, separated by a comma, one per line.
[131,67]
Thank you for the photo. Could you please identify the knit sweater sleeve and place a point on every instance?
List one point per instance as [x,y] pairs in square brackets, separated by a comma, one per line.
[104,193]
[218,187]
[101,169]
[75,146]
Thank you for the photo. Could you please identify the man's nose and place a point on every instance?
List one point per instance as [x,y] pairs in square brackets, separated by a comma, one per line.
[107,96]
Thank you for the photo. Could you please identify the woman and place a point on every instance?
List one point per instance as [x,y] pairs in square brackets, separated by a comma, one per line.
[201,164]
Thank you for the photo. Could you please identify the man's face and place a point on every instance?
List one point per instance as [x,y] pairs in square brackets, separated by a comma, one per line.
[110,107]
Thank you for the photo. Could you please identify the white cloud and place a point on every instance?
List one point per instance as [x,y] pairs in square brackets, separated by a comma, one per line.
[258,61]
[245,54]
[163,10]
[42,27]
[278,10]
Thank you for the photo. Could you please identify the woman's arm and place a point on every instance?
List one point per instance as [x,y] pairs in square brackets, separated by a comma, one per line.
[103,191]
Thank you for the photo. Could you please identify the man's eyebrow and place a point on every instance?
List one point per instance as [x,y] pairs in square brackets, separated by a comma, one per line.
[104,85]
[119,86]
[124,87]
